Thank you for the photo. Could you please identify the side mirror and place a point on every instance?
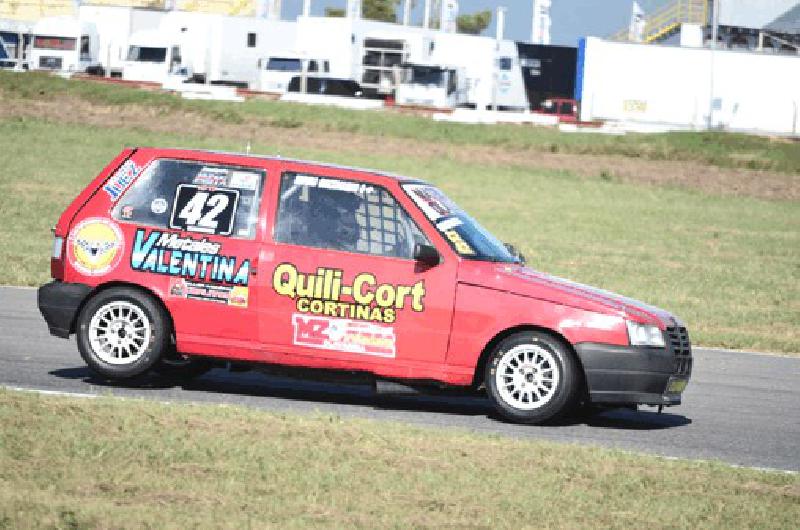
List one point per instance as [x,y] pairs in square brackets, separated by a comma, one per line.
[514,252]
[427,255]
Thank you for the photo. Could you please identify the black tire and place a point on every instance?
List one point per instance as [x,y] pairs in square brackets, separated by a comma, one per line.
[144,349]
[543,388]
[184,368]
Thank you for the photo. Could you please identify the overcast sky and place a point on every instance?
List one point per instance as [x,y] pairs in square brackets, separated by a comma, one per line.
[572,19]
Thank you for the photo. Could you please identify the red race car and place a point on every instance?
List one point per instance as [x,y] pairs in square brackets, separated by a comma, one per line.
[172,259]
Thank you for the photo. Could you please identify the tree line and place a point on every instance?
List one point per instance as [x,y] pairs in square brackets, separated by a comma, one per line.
[386,11]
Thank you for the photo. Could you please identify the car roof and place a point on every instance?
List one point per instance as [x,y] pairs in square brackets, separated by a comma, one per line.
[402,179]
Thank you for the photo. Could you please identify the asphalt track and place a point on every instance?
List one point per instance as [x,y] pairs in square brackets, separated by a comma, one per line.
[740,408]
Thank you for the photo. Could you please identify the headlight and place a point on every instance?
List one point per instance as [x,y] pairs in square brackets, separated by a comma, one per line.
[644,334]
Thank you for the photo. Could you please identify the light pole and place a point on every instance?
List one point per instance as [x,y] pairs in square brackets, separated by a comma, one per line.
[714,33]
[501,27]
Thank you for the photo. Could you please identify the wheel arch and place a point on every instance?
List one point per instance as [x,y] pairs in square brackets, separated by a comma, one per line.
[480,368]
[110,285]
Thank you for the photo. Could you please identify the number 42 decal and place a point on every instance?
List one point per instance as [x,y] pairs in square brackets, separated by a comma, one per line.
[196,209]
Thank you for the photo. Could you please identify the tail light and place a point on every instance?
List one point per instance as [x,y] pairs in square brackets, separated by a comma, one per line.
[57,257]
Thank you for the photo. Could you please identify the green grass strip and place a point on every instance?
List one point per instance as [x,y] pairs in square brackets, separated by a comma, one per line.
[722,149]
[110,463]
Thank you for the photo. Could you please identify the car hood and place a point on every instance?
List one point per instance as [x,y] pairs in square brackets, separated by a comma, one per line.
[524,281]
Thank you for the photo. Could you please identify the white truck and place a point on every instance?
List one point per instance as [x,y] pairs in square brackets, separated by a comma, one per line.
[9,51]
[210,48]
[153,57]
[64,44]
[430,85]
[14,44]
[277,71]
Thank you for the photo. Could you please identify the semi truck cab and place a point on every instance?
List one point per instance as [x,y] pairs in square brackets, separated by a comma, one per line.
[64,44]
[429,85]
[151,57]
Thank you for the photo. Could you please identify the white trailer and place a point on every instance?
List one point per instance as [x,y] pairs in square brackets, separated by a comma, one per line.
[115,25]
[64,44]
[152,45]
[237,46]
[373,53]
[689,88]
[209,48]
[96,40]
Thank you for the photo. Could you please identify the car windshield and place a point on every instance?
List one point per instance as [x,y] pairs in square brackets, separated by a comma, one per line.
[468,238]
[426,75]
[147,54]
[280,64]
[54,43]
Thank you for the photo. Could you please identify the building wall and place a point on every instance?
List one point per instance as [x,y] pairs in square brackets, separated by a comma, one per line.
[672,86]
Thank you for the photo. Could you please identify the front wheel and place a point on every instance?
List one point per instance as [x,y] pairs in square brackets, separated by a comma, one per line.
[122,333]
[532,377]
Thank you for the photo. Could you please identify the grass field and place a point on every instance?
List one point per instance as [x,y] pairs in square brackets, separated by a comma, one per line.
[108,463]
[729,266]
[727,150]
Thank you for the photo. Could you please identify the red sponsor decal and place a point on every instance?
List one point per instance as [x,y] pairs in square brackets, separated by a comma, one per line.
[345,335]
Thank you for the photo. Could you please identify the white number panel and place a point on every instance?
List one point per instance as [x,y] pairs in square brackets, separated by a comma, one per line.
[200,209]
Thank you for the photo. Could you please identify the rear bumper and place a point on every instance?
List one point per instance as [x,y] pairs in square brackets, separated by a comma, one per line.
[59,303]
[634,375]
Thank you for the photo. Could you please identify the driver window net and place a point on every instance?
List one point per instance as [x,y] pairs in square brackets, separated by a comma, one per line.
[344,215]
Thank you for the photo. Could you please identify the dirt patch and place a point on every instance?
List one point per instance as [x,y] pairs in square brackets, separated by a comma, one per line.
[693,175]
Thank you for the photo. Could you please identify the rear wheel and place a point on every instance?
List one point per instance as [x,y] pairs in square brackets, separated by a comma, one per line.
[122,333]
[532,377]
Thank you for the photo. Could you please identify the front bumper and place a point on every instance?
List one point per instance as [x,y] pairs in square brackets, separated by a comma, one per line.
[59,303]
[635,375]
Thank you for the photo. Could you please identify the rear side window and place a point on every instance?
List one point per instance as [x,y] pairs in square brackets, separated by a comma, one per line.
[344,215]
[194,197]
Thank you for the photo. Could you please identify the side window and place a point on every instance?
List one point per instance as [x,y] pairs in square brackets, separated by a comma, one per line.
[85,54]
[344,215]
[195,197]
[313,66]
[176,60]
[506,63]
[251,40]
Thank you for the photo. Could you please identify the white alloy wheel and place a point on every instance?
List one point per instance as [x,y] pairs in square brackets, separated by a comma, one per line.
[119,332]
[527,376]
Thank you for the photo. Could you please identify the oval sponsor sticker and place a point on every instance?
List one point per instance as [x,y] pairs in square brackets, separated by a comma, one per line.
[158,206]
[95,246]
